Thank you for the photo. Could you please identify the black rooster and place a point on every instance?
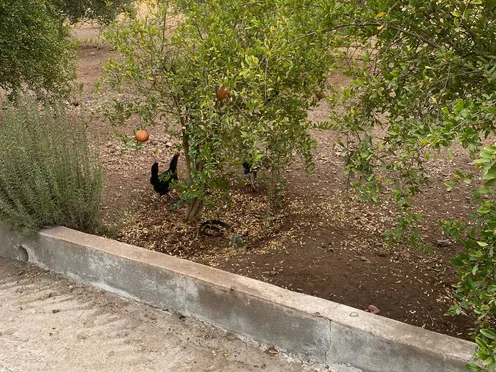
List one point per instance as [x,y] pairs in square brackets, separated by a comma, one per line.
[251,171]
[161,183]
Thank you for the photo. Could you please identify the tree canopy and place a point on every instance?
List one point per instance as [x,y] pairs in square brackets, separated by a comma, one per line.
[35,47]
[426,78]
[258,53]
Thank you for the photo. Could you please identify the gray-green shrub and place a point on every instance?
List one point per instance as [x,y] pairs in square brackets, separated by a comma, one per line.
[49,175]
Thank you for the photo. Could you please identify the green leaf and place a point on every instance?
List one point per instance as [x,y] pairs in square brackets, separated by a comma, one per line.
[475,269]
[472,367]
[480,161]
[490,363]
[483,210]
[488,333]
[490,182]
[450,154]
[491,173]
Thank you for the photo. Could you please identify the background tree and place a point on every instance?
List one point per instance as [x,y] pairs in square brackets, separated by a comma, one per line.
[35,47]
[102,11]
[176,60]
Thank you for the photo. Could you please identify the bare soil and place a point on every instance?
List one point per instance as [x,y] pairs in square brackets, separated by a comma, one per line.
[323,241]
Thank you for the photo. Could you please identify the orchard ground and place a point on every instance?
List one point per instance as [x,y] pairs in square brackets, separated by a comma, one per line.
[323,240]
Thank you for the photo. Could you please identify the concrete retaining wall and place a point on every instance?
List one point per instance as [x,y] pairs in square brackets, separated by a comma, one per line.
[311,327]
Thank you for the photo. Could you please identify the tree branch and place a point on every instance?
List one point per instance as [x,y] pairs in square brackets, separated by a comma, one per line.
[386,25]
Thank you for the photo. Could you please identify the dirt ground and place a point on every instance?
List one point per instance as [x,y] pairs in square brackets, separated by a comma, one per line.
[49,323]
[323,242]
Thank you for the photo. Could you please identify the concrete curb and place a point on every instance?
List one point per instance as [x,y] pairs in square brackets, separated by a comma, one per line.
[313,328]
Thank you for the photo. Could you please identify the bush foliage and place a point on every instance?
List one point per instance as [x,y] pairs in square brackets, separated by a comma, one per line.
[50,176]
[475,291]
[426,78]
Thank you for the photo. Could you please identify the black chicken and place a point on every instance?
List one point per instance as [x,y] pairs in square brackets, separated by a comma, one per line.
[251,171]
[161,183]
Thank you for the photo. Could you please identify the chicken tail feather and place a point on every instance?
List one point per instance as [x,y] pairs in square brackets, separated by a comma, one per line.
[154,177]
[173,163]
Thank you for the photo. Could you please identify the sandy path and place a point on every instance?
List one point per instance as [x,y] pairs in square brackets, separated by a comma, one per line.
[48,323]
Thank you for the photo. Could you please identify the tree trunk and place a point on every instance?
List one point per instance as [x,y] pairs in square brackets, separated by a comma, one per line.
[195,206]
[272,196]
[195,209]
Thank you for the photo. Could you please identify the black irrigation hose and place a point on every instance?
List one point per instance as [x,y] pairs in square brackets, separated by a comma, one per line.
[214,227]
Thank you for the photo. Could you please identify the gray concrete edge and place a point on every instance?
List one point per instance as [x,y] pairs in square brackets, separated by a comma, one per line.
[313,328]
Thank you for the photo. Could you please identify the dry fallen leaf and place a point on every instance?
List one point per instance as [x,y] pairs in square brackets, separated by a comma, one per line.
[271,351]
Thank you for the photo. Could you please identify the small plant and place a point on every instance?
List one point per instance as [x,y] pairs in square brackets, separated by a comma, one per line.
[50,175]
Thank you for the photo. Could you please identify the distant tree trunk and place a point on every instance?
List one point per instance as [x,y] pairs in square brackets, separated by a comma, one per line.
[272,194]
